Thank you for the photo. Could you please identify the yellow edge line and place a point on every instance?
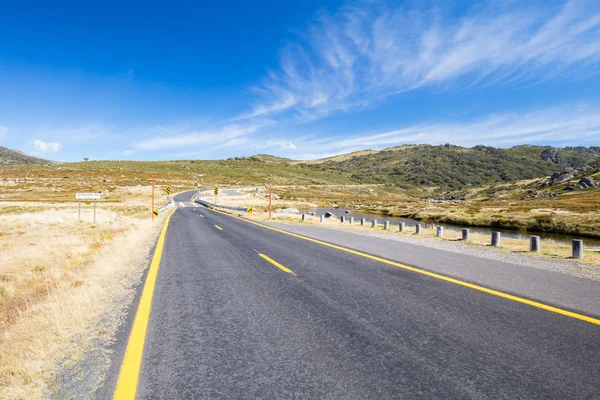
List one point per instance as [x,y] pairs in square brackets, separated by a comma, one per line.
[132,361]
[275,263]
[431,274]
[218,227]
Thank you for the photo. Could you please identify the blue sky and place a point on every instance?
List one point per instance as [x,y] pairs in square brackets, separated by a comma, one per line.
[299,79]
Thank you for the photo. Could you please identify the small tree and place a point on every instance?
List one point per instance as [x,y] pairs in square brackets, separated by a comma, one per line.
[86,159]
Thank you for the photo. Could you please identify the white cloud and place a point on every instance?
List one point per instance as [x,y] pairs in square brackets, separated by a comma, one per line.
[46,147]
[288,146]
[368,51]
[3,130]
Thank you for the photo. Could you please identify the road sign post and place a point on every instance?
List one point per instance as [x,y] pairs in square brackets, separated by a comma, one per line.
[87,196]
[216,191]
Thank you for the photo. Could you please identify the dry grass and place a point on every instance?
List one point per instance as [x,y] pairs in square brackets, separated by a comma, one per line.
[58,277]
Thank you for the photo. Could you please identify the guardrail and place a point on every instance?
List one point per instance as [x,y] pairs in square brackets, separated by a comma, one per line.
[163,208]
[207,204]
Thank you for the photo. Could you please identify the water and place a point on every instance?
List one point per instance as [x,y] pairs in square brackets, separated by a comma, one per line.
[561,238]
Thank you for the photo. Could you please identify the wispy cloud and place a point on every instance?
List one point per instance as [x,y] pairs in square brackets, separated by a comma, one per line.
[226,136]
[559,125]
[42,146]
[369,50]
[3,130]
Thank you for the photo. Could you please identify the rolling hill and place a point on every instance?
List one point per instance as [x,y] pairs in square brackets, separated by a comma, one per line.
[15,157]
[451,167]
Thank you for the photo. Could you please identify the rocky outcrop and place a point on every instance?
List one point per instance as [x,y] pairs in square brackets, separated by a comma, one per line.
[561,177]
[552,155]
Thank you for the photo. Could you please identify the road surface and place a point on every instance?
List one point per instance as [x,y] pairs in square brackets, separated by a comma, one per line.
[243,312]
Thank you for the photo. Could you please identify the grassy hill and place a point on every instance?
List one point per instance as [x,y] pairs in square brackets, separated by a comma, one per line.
[455,167]
[15,157]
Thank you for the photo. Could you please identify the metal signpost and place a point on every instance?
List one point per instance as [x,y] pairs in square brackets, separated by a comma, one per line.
[87,196]
[216,193]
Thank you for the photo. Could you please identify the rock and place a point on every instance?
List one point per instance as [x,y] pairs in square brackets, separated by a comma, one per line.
[562,178]
[287,211]
[106,193]
[335,206]
[555,175]
[583,185]
[588,181]
[574,187]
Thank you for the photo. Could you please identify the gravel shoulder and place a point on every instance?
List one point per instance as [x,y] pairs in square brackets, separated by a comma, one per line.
[568,284]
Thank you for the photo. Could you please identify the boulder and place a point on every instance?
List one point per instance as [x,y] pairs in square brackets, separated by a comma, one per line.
[287,211]
[574,187]
[588,181]
[562,178]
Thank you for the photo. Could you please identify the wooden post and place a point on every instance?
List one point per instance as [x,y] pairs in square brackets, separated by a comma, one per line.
[152,210]
[496,239]
[577,247]
[534,244]
[94,211]
[465,234]
[270,199]
[79,217]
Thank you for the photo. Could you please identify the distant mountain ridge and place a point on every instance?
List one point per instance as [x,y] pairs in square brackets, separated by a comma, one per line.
[455,167]
[15,157]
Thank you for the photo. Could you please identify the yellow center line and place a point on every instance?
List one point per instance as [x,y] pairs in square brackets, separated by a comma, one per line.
[132,361]
[484,289]
[218,227]
[202,215]
[275,263]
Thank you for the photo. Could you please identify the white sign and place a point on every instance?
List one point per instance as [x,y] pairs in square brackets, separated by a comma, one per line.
[87,196]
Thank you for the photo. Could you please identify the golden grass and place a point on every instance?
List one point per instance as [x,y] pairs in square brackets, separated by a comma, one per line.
[58,277]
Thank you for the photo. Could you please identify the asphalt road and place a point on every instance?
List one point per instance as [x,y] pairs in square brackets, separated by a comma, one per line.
[227,323]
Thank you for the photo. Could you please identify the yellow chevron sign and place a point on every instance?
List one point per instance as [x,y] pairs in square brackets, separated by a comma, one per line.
[249,209]
[168,190]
